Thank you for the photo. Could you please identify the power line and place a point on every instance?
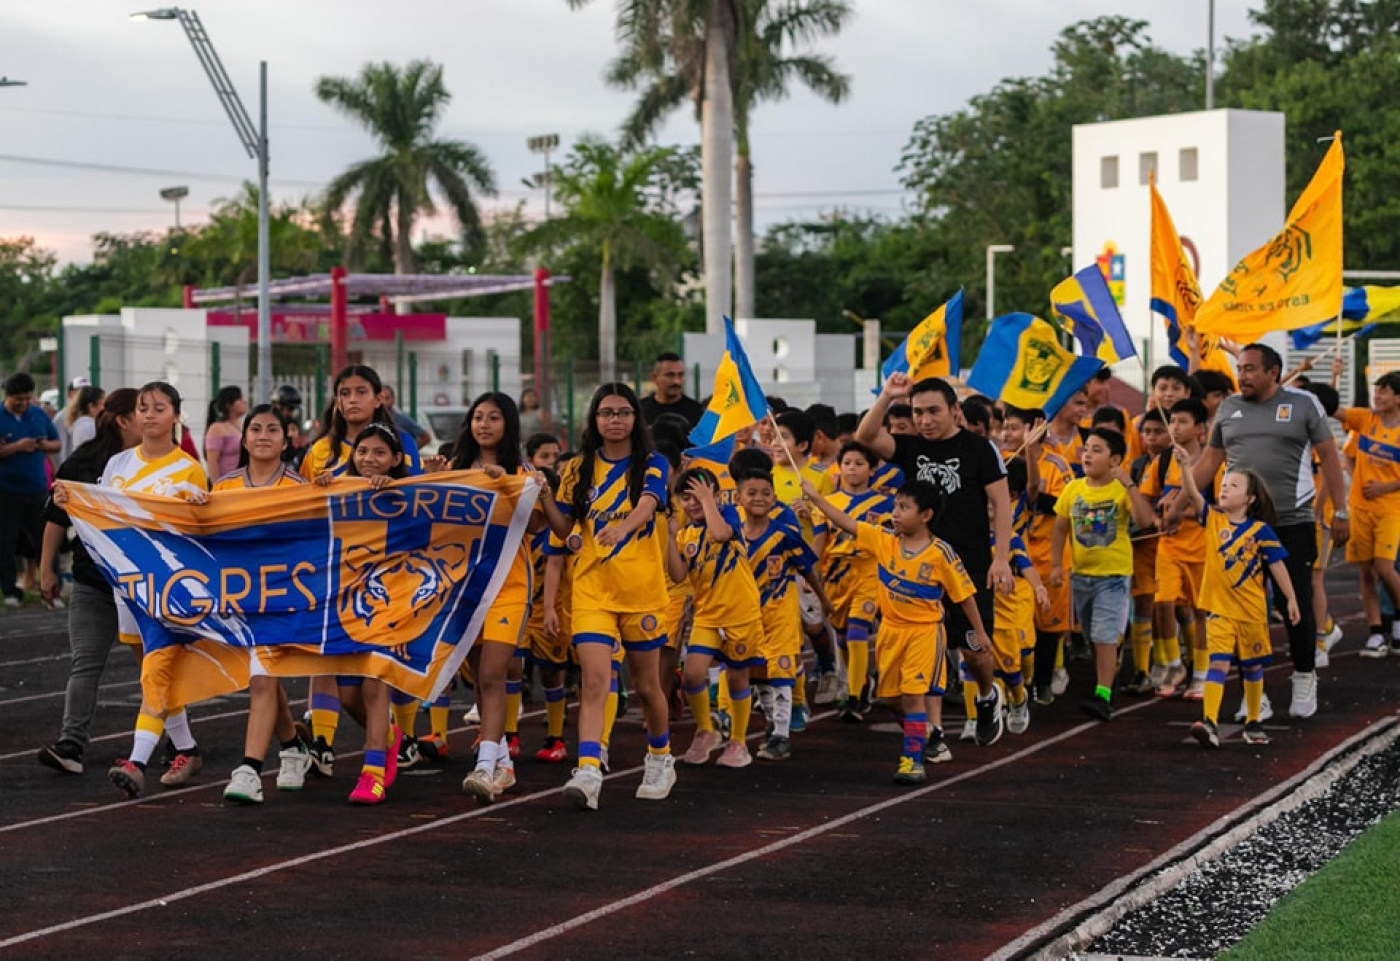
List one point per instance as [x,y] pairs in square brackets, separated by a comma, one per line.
[147,171]
[27,208]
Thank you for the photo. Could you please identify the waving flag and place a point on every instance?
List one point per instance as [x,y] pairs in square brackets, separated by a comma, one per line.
[1362,309]
[1176,295]
[737,401]
[300,581]
[932,349]
[1294,280]
[1022,363]
[1089,312]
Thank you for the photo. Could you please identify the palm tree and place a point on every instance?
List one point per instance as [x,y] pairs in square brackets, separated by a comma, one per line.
[654,33]
[400,110]
[620,203]
[669,57]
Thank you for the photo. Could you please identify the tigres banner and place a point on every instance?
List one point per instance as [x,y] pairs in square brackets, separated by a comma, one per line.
[297,581]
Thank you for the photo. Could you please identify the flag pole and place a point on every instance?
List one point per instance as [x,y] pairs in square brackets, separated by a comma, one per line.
[779,435]
[1326,353]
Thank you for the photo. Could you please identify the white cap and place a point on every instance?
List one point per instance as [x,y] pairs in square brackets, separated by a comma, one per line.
[78,382]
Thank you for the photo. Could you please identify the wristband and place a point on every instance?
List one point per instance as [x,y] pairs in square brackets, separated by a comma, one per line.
[1341,516]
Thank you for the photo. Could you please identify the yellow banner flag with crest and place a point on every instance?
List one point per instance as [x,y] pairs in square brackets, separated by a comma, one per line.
[1295,280]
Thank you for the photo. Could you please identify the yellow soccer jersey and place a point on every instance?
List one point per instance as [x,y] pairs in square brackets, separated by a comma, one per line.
[887,479]
[175,474]
[1055,475]
[1070,449]
[1188,543]
[726,593]
[1232,584]
[1098,527]
[628,577]
[238,480]
[777,557]
[318,459]
[538,542]
[912,588]
[1377,458]
[564,596]
[841,561]
[787,485]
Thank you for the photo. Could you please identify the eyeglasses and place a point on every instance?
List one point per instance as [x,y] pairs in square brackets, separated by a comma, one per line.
[621,413]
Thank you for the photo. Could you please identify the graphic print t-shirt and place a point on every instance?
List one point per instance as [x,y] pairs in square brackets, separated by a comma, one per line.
[1098,527]
[960,467]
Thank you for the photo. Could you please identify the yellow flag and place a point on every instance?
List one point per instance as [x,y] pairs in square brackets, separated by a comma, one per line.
[1295,280]
[1176,294]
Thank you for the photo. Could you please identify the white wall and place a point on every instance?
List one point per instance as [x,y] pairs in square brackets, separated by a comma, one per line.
[1235,203]
[792,361]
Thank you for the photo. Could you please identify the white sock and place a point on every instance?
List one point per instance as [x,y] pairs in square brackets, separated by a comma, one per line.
[782,711]
[765,699]
[1395,629]
[177,725]
[503,758]
[143,745]
[486,756]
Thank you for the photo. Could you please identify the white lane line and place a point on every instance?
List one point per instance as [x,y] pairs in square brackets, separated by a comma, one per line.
[202,719]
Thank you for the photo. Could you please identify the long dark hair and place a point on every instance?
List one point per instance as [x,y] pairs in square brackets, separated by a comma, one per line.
[258,411]
[336,428]
[593,442]
[108,440]
[467,450]
[390,436]
[219,406]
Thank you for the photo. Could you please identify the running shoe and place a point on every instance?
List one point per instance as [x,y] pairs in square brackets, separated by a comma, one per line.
[1266,710]
[513,745]
[1176,676]
[969,730]
[1059,681]
[583,788]
[1196,692]
[368,790]
[1140,684]
[553,752]
[909,772]
[1018,716]
[183,766]
[127,776]
[735,754]
[66,756]
[503,779]
[851,712]
[322,758]
[409,754]
[480,784]
[391,756]
[989,720]
[705,744]
[776,749]
[800,715]
[936,751]
[434,748]
[1375,647]
[244,786]
[1097,707]
[827,687]
[1304,703]
[1206,733]
[1254,733]
[296,761]
[658,777]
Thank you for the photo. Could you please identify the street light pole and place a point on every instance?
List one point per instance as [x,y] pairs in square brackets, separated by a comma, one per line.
[7,82]
[254,141]
[1210,54]
[992,251]
[546,145]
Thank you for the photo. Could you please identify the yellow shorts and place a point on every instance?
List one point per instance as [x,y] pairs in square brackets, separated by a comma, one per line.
[738,646]
[910,659]
[782,636]
[853,598]
[1178,581]
[505,624]
[1145,568]
[1243,639]
[678,607]
[636,631]
[1056,617]
[1375,536]
[1014,630]
[547,651]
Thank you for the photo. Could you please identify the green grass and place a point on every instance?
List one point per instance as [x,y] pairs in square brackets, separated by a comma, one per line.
[1349,909]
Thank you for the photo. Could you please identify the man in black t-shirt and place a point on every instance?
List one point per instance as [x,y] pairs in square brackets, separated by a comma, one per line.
[668,374]
[968,471]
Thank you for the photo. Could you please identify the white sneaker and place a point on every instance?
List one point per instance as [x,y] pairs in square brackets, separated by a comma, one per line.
[1329,639]
[1157,674]
[11,601]
[1018,716]
[295,765]
[1320,656]
[244,786]
[1375,647]
[587,783]
[969,731]
[473,716]
[827,687]
[1266,710]
[658,777]
[1059,681]
[1304,695]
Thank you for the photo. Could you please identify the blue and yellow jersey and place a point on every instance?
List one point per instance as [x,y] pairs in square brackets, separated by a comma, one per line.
[912,588]
[539,543]
[787,485]
[1071,449]
[726,593]
[629,577]
[1377,458]
[778,556]
[1232,584]
[175,474]
[887,479]
[555,547]
[318,459]
[1039,518]
[1018,607]
[1187,544]
[841,561]
[238,480]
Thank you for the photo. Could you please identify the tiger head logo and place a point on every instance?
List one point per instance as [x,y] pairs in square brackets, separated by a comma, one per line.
[390,599]
[1289,251]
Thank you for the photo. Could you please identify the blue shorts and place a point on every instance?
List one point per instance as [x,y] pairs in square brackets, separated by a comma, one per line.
[1102,605]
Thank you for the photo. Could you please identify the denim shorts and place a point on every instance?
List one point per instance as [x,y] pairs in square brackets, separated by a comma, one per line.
[1102,605]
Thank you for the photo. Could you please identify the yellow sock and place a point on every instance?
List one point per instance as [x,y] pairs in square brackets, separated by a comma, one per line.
[404,717]
[1060,653]
[799,689]
[438,718]
[740,706]
[609,712]
[857,666]
[1253,698]
[325,716]
[1142,645]
[969,689]
[699,702]
[554,711]
[1171,649]
[723,701]
[1210,705]
[513,699]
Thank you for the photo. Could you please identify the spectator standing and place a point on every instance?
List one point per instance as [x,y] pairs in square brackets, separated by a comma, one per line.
[531,417]
[77,423]
[223,431]
[402,421]
[668,374]
[26,435]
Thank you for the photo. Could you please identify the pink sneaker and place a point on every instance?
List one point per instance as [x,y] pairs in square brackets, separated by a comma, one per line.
[391,759]
[735,754]
[705,744]
[368,790]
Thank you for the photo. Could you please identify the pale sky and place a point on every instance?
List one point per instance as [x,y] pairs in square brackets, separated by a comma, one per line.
[105,90]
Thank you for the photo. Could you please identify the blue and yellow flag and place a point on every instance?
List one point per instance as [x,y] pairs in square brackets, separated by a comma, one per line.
[1294,280]
[1363,308]
[1086,306]
[1023,364]
[932,349]
[737,401]
[305,580]
[1176,295]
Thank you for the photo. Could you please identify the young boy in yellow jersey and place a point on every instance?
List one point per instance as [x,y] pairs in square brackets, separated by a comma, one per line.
[916,571]
[1013,631]
[1374,501]
[1149,672]
[1240,544]
[1170,384]
[1093,512]
[1328,632]
[779,557]
[709,549]
[851,578]
[1180,554]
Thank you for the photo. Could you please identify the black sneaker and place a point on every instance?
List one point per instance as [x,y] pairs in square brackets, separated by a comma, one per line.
[409,755]
[989,722]
[322,758]
[936,751]
[1044,696]
[851,712]
[65,756]
[1097,707]
[1140,684]
[1254,733]
[1206,733]
[776,749]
